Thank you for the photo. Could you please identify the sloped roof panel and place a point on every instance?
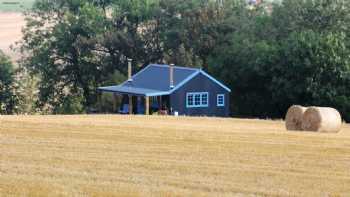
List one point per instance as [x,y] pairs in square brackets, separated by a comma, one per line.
[157,77]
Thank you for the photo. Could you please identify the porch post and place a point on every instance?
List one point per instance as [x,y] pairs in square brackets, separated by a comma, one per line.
[147,105]
[114,102]
[99,101]
[160,103]
[130,104]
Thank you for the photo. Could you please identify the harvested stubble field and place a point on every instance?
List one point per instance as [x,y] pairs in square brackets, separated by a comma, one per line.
[110,155]
[11,24]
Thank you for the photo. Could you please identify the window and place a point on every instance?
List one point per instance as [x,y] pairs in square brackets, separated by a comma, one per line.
[204,99]
[220,100]
[197,99]
[190,100]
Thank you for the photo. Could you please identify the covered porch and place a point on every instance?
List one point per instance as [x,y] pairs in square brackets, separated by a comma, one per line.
[138,100]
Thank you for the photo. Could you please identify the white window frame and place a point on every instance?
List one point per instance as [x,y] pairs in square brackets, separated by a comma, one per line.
[223,100]
[194,94]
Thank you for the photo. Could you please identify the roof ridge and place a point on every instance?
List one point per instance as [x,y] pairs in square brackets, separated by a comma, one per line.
[179,67]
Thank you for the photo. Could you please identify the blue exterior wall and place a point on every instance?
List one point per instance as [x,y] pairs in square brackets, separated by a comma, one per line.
[200,83]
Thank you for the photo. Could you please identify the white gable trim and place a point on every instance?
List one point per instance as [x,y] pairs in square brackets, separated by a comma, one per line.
[176,87]
[184,81]
[187,80]
[216,81]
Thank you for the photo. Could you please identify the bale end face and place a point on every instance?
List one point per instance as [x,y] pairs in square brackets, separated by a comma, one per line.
[322,119]
[294,117]
[311,120]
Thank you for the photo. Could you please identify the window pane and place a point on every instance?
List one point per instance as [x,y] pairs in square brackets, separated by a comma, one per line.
[190,100]
[220,100]
[197,99]
[204,99]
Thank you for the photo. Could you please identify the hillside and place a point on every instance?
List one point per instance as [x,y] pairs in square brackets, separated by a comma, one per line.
[15,5]
[11,24]
[168,156]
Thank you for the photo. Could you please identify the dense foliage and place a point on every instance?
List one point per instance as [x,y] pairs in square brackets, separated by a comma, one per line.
[298,54]
[270,55]
[8,98]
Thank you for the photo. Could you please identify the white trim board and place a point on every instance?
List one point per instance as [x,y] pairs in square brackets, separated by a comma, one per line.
[184,81]
[216,81]
[176,87]
[194,75]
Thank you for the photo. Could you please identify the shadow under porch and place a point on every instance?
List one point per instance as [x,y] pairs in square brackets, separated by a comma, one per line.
[136,104]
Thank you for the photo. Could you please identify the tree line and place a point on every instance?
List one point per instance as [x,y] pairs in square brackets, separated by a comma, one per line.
[271,55]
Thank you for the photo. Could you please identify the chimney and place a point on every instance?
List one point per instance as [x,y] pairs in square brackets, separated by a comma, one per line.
[129,70]
[171,69]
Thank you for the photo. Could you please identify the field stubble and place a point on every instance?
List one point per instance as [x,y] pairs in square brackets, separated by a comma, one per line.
[110,155]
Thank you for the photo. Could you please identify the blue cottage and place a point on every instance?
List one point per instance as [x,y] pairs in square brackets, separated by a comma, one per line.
[169,89]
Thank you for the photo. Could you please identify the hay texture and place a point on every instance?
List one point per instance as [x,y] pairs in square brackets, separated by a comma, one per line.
[322,119]
[294,117]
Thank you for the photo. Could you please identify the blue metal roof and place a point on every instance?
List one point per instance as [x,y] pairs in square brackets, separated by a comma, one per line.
[157,77]
[129,90]
[154,80]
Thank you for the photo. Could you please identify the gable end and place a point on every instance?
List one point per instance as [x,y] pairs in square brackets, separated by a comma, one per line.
[215,81]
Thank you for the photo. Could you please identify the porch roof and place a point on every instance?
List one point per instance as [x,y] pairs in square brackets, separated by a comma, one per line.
[133,90]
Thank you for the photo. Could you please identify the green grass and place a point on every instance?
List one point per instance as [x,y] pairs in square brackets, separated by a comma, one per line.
[15,5]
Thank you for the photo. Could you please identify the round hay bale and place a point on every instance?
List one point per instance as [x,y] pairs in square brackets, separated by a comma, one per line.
[294,117]
[322,119]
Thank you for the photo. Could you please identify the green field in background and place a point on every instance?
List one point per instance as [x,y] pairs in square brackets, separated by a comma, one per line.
[15,5]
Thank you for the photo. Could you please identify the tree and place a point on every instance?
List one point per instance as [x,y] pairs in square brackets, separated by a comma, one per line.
[314,70]
[60,38]
[73,46]
[295,53]
[8,99]
[298,54]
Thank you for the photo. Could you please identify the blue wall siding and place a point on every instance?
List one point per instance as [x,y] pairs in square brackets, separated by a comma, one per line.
[200,83]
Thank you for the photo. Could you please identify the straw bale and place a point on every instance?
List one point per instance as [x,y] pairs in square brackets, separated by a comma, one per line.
[322,119]
[294,117]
